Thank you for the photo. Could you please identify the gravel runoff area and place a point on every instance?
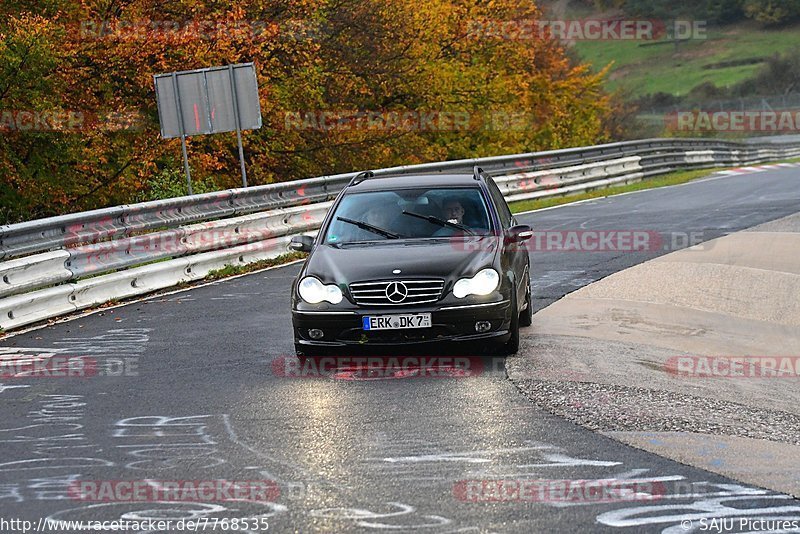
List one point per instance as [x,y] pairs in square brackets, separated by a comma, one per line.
[612,408]
[569,375]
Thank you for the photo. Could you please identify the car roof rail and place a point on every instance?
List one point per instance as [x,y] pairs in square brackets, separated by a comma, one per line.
[477,172]
[360,177]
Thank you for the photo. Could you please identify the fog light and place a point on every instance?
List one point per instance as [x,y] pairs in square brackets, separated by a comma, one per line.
[483,326]
[315,333]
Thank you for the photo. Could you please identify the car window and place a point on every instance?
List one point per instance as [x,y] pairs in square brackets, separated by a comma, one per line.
[502,208]
[385,210]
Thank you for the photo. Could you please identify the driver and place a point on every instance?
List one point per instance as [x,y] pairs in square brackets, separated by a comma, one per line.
[454,211]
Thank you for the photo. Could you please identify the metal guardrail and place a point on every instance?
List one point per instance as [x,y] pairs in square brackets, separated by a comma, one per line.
[98,225]
[169,244]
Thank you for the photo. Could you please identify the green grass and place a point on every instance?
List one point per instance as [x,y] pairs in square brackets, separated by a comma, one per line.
[650,183]
[673,178]
[233,270]
[650,69]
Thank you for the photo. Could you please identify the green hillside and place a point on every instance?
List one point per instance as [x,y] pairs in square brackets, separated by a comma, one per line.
[650,69]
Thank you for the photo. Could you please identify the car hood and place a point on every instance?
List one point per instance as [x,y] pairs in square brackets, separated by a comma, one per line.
[440,258]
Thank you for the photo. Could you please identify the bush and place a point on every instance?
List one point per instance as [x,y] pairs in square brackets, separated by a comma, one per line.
[772,11]
[171,183]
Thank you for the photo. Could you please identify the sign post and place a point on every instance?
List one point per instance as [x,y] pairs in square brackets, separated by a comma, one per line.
[183,136]
[208,101]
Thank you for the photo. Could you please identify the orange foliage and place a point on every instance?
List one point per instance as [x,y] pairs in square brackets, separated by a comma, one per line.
[396,62]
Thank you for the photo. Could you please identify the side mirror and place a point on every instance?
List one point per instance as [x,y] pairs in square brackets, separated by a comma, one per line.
[302,243]
[519,233]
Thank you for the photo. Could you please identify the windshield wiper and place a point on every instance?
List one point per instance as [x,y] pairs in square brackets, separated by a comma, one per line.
[370,228]
[440,222]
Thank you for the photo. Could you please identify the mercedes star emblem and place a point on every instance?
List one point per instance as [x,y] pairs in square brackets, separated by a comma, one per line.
[396,292]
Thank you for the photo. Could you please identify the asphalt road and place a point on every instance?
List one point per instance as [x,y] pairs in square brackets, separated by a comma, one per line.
[198,398]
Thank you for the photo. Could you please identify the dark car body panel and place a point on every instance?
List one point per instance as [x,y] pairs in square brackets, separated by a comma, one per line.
[440,258]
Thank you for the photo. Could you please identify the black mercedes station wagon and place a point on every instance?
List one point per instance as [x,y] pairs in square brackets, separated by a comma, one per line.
[407,260]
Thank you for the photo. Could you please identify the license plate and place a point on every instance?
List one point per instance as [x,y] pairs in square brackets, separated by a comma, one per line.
[397,322]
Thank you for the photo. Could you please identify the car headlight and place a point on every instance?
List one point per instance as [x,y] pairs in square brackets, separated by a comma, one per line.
[482,283]
[313,291]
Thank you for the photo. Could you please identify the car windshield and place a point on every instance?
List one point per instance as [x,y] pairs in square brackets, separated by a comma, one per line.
[421,213]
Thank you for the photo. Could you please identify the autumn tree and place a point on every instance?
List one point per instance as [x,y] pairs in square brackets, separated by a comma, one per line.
[486,91]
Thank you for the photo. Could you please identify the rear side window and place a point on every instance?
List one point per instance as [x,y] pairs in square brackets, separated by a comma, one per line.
[502,208]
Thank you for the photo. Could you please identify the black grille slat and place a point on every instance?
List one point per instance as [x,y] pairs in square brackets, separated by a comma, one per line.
[419,292]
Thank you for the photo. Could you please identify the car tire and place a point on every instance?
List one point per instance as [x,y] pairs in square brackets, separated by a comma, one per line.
[526,316]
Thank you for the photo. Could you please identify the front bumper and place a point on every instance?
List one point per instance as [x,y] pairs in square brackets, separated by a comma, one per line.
[449,323]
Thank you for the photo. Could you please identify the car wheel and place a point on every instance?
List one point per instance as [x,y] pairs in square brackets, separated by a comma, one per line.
[526,316]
